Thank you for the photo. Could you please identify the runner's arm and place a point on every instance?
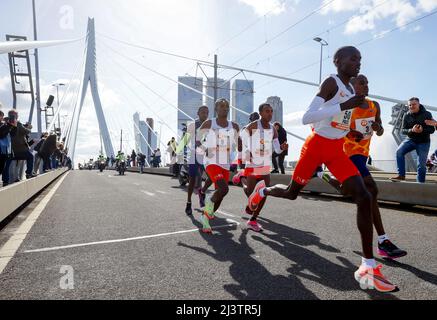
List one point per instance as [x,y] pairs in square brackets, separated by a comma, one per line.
[317,110]
[377,126]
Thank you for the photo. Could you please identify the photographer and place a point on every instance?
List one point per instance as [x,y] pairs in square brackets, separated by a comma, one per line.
[418,138]
[7,128]
[20,147]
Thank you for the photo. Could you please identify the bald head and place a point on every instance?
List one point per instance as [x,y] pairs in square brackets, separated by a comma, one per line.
[345,52]
[348,61]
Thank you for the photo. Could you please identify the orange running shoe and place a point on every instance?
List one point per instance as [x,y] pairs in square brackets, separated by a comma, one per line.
[372,278]
[255,198]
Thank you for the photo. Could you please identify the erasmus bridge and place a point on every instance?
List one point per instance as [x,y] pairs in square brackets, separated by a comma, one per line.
[79,234]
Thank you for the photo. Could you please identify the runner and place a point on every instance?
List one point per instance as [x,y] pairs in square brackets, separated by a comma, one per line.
[195,160]
[221,145]
[356,146]
[239,177]
[330,112]
[259,138]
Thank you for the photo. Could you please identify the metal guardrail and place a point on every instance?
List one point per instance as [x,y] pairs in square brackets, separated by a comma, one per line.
[15,195]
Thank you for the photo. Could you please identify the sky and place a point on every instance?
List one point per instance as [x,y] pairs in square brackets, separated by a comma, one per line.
[271,36]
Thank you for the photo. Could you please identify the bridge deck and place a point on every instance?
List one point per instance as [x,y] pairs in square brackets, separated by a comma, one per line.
[309,249]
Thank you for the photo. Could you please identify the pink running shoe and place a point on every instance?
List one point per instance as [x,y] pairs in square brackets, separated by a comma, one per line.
[255,198]
[372,278]
[255,226]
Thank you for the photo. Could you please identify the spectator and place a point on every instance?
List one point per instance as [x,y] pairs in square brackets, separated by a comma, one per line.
[282,137]
[141,161]
[418,138]
[133,157]
[172,148]
[128,160]
[7,128]
[47,149]
[37,148]
[158,157]
[20,148]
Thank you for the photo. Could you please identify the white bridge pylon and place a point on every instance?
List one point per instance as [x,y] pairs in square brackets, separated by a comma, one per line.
[90,77]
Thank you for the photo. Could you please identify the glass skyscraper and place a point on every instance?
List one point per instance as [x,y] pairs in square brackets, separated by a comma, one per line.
[188,100]
[242,98]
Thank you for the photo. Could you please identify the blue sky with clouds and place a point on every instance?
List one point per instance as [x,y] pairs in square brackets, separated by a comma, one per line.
[257,34]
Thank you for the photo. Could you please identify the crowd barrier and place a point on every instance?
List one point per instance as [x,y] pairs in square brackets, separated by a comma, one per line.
[12,197]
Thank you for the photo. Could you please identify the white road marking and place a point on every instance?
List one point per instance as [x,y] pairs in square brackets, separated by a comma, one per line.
[126,239]
[161,192]
[9,249]
[226,213]
[148,193]
[136,184]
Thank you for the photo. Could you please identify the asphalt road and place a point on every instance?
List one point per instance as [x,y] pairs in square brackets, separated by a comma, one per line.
[129,238]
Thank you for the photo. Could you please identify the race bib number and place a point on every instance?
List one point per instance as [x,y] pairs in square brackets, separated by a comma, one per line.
[342,121]
[365,127]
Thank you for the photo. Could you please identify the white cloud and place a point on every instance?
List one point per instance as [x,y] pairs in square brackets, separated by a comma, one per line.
[261,7]
[427,5]
[374,11]
[343,5]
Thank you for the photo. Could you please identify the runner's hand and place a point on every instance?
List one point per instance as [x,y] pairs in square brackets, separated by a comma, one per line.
[284,146]
[355,135]
[376,126]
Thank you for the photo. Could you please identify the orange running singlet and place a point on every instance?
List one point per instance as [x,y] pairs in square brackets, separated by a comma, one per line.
[361,121]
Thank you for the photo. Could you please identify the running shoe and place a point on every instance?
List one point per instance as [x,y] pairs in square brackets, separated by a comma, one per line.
[209,209]
[188,209]
[255,198]
[206,228]
[201,199]
[236,179]
[388,250]
[372,278]
[254,225]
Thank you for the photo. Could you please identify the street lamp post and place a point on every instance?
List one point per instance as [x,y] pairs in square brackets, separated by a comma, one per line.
[57,85]
[322,44]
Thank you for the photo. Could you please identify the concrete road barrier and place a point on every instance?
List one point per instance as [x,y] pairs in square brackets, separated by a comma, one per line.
[405,192]
[15,195]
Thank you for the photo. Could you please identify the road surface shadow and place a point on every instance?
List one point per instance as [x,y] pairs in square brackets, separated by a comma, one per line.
[290,243]
[255,281]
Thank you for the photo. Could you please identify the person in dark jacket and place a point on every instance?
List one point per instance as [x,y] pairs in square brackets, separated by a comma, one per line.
[47,149]
[418,138]
[7,128]
[20,148]
[133,157]
[278,159]
[37,149]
